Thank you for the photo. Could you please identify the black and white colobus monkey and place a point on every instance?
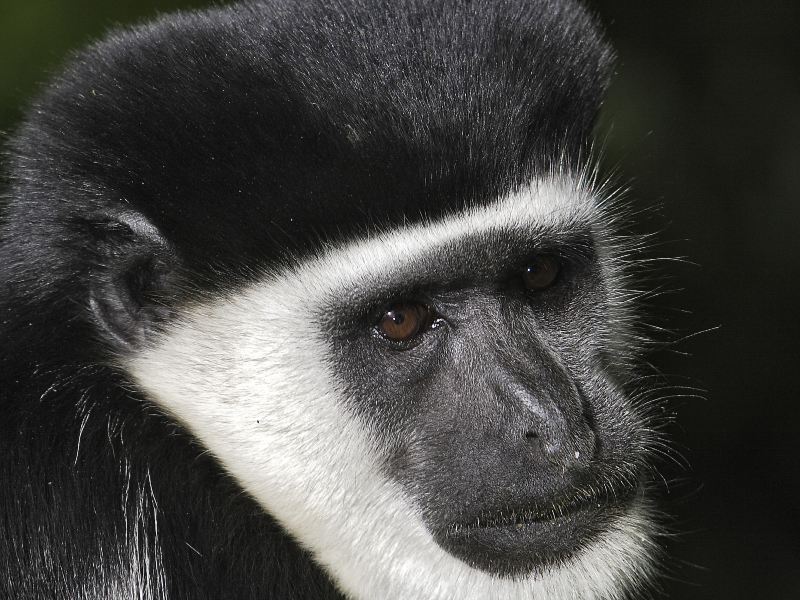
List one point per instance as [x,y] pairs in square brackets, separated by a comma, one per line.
[320,299]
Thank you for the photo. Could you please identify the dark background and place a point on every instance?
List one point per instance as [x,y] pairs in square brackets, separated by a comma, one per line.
[704,119]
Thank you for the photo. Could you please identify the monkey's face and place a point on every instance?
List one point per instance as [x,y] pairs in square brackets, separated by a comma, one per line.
[488,383]
[438,403]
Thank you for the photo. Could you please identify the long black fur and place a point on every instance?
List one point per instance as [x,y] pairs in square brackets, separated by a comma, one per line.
[239,136]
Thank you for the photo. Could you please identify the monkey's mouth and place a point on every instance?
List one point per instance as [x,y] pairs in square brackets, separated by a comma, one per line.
[514,542]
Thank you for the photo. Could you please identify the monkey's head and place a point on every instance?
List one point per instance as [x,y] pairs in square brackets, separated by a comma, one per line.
[357,250]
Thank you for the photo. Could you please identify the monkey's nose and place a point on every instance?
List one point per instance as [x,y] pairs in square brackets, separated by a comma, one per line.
[562,447]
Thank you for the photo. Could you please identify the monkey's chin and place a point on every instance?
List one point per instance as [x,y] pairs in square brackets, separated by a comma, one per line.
[522,543]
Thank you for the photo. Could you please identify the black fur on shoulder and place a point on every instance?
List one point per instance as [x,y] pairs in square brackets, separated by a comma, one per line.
[188,152]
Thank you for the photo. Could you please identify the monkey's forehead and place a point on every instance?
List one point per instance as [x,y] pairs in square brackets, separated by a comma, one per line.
[478,245]
[248,131]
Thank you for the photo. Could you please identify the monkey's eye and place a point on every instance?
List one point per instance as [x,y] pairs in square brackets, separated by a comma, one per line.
[541,273]
[403,322]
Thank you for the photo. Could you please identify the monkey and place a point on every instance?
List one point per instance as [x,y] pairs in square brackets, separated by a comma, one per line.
[323,299]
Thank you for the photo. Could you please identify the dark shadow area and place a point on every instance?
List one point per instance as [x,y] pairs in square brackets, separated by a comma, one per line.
[703,115]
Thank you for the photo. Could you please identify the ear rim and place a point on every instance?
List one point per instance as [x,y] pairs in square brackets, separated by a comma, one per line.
[129,249]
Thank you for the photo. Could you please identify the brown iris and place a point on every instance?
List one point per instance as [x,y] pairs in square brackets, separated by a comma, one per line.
[402,322]
[541,273]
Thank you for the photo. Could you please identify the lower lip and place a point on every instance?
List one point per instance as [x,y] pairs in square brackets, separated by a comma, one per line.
[522,548]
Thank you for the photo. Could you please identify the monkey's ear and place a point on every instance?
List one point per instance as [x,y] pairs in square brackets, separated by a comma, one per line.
[131,279]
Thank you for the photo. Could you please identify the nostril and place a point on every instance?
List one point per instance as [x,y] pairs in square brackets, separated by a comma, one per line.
[552,450]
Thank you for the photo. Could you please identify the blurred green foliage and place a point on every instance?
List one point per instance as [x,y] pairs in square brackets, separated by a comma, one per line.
[37,35]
